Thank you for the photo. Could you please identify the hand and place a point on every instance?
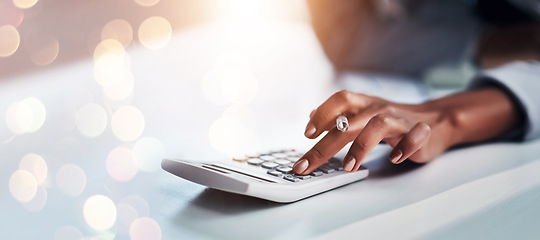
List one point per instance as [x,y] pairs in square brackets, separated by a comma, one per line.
[416,132]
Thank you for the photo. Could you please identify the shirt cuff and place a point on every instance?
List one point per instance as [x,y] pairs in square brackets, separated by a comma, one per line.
[521,81]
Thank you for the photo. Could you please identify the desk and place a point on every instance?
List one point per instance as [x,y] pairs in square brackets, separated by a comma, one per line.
[488,191]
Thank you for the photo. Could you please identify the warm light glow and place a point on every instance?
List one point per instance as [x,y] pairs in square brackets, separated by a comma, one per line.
[118,29]
[127,123]
[23,185]
[68,233]
[111,62]
[9,40]
[71,180]
[91,120]
[229,136]
[26,116]
[148,153]
[121,164]
[231,81]
[144,228]
[147,3]
[109,47]
[155,32]
[42,49]
[25,3]
[38,202]
[36,165]
[99,212]
[120,89]
[38,113]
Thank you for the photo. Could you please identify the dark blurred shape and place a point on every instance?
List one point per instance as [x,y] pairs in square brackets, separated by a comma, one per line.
[394,37]
[501,12]
[509,43]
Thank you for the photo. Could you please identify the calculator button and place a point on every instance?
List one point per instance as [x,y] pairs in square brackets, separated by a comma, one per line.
[336,167]
[291,178]
[316,173]
[293,154]
[280,155]
[282,162]
[240,158]
[304,177]
[334,160]
[269,165]
[274,173]
[253,155]
[284,169]
[267,157]
[292,159]
[255,161]
[327,169]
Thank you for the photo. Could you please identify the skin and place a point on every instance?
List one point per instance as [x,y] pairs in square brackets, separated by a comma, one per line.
[418,132]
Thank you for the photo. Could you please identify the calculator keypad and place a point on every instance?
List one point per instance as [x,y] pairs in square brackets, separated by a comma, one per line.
[279,164]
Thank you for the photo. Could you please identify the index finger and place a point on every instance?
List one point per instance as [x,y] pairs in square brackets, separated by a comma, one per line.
[324,117]
[326,148]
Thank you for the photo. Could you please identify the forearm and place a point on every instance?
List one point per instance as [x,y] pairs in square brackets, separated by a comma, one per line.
[478,115]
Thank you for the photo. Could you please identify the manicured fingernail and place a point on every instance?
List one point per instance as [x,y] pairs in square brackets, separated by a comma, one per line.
[310,130]
[395,156]
[301,166]
[350,164]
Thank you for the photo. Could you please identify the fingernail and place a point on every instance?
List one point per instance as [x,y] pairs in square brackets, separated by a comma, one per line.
[301,166]
[395,156]
[310,130]
[350,165]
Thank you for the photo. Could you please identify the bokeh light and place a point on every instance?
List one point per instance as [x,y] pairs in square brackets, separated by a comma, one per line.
[23,185]
[138,203]
[91,120]
[25,3]
[99,212]
[120,89]
[127,123]
[230,136]
[144,228]
[109,47]
[155,32]
[126,215]
[26,116]
[71,180]
[148,153]
[147,3]
[121,164]
[68,233]
[118,29]
[111,62]
[38,202]
[9,40]
[42,48]
[10,14]
[36,165]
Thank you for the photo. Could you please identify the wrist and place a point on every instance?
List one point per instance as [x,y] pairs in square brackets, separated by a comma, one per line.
[475,116]
[446,122]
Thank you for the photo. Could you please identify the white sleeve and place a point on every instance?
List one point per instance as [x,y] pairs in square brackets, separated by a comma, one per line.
[521,80]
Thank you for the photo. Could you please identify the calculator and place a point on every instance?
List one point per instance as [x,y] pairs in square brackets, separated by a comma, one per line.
[267,175]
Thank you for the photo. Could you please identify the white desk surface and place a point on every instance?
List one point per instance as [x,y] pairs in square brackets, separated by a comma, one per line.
[489,191]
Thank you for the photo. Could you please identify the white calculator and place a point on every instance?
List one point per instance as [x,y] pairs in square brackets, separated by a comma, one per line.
[266,175]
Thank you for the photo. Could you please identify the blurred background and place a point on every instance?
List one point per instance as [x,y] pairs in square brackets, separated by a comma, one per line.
[96,93]
[36,34]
